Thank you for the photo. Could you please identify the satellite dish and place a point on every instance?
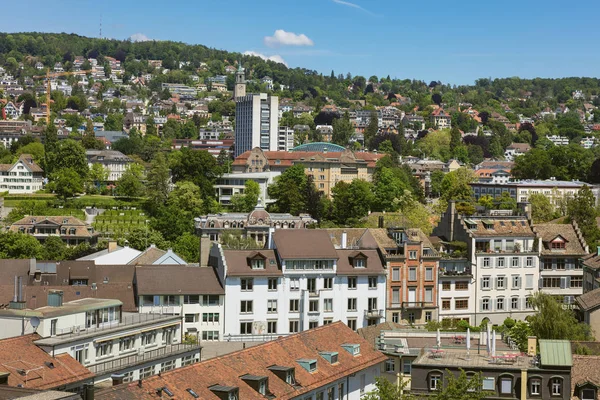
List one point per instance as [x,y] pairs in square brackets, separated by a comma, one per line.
[35,322]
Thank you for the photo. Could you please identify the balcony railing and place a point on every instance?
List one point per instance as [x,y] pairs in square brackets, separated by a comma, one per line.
[374,314]
[417,304]
[455,272]
[137,359]
[127,320]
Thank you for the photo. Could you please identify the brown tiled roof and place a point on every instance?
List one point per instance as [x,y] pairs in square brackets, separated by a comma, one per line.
[589,300]
[284,352]
[524,147]
[374,266]
[176,279]
[238,264]
[592,261]
[20,353]
[28,161]
[585,369]
[574,245]
[81,228]
[501,226]
[304,244]
[148,256]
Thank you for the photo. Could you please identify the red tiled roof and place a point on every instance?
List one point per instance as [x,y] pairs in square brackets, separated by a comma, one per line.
[20,353]
[284,352]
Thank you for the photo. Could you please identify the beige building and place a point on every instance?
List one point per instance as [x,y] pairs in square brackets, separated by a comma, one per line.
[589,306]
[327,168]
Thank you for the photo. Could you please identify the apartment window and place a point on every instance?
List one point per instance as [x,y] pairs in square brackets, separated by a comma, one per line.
[557,245]
[446,304]
[412,255]
[247,284]
[411,317]
[352,323]
[529,261]
[412,274]
[428,316]
[272,284]
[514,303]
[331,393]
[146,372]
[210,300]
[341,390]
[167,366]
[294,305]
[461,304]
[500,283]
[556,386]
[395,274]
[500,262]
[271,306]
[500,303]
[429,295]
[294,284]
[390,365]
[446,286]
[486,262]
[271,326]
[53,327]
[148,338]
[485,304]
[313,306]
[191,299]
[434,381]
[488,383]
[372,303]
[294,326]
[515,262]
[246,328]
[351,282]
[428,274]
[395,296]
[516,282]
[191,318]
[372,282]
[406,366]
[396,317]
[359,263]
[461,285]
[560,263]
[104,349]
[327,321]
[328,305]
[126,343]
[551,282]
[257,264]
[352,304]
[210,335]
[246,306]
[328,283]
[528,302]
[587,394]
[505,386]
[485,282]
[576,281]
[311,285]
[535,387]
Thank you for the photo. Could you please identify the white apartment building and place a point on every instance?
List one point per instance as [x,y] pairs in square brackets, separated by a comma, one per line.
[558,140]
[300,283]
[193,293]
[228,185]
[285,140]
[113,161]
[256,122]
[102,338]
[456,290]
[22,177]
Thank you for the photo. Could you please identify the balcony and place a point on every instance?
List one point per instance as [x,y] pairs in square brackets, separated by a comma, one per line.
[374,314]
[137,359]
[313,293]
[418,304]
[465,271]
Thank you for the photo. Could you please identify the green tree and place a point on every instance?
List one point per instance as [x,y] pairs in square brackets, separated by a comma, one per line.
[351,201]
[55,249]
[287,191]
[541,208]
[455,139]
[71,154]
[187,246]
[506,202]
[151,127]
[552,321]
[20,245]
[371,131]
[437,177]
[535,164]
[66,182]
[36,149]
[247,201]
[196,166]
[385,390]
[176,217]
[51,148]
[463,387]
[436,145]
[141,238]
[130,183]
[158,181]
[342,130]
[89,140]
[389,190]
[455,185]
[582,209]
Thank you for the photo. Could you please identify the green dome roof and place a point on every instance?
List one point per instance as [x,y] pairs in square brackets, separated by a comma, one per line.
[319,146]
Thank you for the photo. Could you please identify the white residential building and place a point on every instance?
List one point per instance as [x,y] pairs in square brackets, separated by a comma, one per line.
[588,142]
[113,161]
[193,293]
[102,338]
[456,290]
[302,282]
[22,177]
[228,185]
[285,139]
[256,122]
[558,140]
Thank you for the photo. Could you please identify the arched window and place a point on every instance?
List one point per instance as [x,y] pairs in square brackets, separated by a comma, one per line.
[435,380]
[556,386]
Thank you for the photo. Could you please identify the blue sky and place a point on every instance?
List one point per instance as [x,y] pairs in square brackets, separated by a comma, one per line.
[455,42]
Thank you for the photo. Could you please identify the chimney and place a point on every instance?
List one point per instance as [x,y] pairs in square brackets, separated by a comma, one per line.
[531,345]
[204,250]
[140,383]
[88,392]
[524,384]
[381,223]
[112,245]
[344,239]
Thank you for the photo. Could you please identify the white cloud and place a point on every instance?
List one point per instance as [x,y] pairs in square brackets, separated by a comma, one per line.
[276,58]
[283,38]
[353,5]
[139,37]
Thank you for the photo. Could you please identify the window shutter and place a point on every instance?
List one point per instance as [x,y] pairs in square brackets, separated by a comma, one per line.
[540,283]
[519,281]
[563,282]
[568,281]
[481,305]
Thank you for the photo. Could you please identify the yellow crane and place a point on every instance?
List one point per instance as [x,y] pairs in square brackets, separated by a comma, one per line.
[54,75]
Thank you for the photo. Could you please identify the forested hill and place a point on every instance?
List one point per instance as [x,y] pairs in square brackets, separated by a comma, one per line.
[528,95]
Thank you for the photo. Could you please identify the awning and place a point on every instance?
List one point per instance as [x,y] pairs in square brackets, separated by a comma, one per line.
[160,327]
[109,338]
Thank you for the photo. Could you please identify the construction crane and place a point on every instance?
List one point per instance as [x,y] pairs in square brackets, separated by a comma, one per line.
[54,75]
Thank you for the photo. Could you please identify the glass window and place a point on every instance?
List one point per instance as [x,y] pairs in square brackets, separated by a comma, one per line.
[372,282]
[395,274]
[485,282]
[514,303]
[412,274]
[294,305]
[247,284]
[556,386]
[535,387]
[500,303]
[485,304]
[406,366]
[272,283]
[505,385]
[500,282]
[390,365]
[434,381]
[351,282]
[488,383]
[395,295]
[428,274]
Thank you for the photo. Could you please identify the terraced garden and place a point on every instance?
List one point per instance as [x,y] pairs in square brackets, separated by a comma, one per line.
[117,223]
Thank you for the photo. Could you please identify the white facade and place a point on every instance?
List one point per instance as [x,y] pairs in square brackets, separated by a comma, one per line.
[456,291]
[588,142]
[256,122]
[115,162]
[20,178]
[229,185]
[285,140]
[558,140]
[505,276]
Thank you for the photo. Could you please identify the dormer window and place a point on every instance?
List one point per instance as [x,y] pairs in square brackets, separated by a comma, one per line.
[225,392]
[308,364]
[352,348]
[258,383]
[359,263]
[331,356]
[286,374]
[258,264]
[558,245]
